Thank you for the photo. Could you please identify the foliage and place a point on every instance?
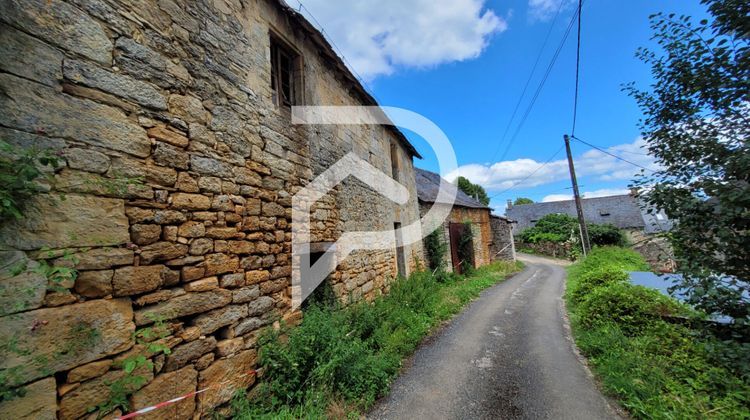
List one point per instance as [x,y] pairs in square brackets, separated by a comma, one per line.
[522,200]
[352,354]
[562,228]
[553,228]
[696,126]
[21,170]
[475,191]
[151,341]
[656,368]
[606,235]
[435,247]
[465,249]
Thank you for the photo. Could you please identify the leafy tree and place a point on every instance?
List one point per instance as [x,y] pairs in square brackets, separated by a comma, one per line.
[474,190]
[696,125]
[522,200]
[563,227]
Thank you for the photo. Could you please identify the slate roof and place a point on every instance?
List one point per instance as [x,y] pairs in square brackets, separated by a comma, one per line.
[428,185]
[623,211]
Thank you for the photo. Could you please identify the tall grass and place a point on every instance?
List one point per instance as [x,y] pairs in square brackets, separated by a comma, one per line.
[339,361]
[657,369]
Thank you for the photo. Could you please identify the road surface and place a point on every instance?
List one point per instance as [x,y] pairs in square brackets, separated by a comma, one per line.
[508,355]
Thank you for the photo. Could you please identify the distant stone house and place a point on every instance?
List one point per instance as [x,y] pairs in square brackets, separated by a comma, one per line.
[180,163]
[623,211]
[465,209]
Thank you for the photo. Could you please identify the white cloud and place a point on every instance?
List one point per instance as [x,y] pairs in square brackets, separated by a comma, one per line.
[543,10]
[604,192]
[378,37]
[592,163]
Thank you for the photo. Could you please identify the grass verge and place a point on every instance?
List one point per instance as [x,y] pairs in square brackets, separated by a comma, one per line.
[337,362]
[656,369]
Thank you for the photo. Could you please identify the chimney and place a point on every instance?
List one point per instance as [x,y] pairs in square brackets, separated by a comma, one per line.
[510,204]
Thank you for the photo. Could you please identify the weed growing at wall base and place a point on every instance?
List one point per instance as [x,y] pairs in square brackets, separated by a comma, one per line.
[339,361]
[656,368]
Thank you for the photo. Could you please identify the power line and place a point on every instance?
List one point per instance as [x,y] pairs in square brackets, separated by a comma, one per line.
[528,80]
[515,184]
[611,154]
[541,85]
[578,68]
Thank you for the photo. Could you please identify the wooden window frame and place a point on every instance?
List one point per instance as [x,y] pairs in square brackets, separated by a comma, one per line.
[280,50]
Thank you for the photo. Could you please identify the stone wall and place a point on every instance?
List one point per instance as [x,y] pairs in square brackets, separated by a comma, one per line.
[654,248]
[174,200]
[480,227]
[502,246]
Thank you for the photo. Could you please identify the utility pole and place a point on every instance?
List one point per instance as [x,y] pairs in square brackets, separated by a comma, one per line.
[577,196]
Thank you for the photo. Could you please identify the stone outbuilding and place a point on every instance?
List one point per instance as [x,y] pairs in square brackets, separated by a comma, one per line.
[179,164]
[466,212]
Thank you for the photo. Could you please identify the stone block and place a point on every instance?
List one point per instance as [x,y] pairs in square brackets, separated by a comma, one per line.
[21,287]
[190,273]
[101,258]
[212,321]
[245,294]
[211,167]
[203,285]
[77,221]
[39,402]
[188,108]
[145,234]
[168,155]
[185,201]
[166,135]
[60,24]
[94,284]
[88,371]
[28,57]
[232,280]
[77,402]
[87,160]
[260,306]
[229,347]
[117,84]
[165,386]
[249,325]
[33,107]
[220,264]
[168,217]
[256,276]
[72,335]
[201,246]
[192,229]
[184,353]
[161,251]
[136,280]
[233,373]
[189,304]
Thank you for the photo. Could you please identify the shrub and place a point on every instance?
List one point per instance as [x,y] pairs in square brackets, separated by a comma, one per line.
[435,247]
[633,308]
[602,276]
[606,235]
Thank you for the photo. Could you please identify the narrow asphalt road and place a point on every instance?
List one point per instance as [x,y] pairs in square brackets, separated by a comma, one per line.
[508,355]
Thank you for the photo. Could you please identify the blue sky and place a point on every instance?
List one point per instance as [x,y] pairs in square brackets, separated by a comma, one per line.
[463,64]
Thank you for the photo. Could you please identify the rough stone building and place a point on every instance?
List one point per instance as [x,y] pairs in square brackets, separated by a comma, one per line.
[465,209]
[625,211]
[503,246]
[172,118]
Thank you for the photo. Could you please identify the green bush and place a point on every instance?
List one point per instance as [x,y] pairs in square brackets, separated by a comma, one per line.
[352,354]
[606,235]
[602,276]
[656,368]
[632,308]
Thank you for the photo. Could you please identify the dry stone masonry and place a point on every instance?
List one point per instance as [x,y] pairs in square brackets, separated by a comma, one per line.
[174,200]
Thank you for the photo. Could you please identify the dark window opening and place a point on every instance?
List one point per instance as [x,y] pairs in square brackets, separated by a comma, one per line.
[400,257]
[603,213]
[323,296]
[394,162]
[285,74]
